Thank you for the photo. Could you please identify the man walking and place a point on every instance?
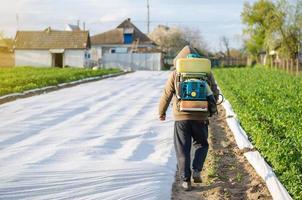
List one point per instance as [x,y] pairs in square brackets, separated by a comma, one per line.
[188,125]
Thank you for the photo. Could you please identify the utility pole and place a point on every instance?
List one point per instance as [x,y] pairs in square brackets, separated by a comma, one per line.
[17,18]
[148,17]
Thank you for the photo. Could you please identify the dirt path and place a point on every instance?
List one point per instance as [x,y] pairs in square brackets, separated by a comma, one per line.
[227,174]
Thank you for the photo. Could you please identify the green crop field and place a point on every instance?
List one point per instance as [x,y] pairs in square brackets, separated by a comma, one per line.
[269,107]
[19,79]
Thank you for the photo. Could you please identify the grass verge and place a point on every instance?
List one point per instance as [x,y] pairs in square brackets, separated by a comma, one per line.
[20,79]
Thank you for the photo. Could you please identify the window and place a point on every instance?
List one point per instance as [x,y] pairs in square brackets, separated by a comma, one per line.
[128,38]
[87,55]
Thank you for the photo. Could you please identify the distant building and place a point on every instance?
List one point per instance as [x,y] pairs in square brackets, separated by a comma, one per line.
[125,38]
[6,44]
[52,48]
[3,45]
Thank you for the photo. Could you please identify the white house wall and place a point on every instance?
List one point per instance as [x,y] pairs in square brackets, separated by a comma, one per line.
[105,48]
[35,58]
[98,49]
[74,58]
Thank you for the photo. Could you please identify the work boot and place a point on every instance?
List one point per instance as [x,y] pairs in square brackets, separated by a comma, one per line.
[186,186]
[197,176]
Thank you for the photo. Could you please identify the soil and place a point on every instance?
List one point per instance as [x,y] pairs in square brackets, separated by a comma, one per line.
[227,174]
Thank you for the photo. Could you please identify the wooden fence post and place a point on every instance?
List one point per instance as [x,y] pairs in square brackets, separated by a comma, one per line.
[297,66]
[287,65]
[276,64]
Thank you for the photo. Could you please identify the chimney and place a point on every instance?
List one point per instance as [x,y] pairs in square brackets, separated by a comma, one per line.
[129,19]
[47,30]
[84,26]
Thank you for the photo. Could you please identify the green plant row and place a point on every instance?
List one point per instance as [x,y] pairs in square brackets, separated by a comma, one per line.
[269,106]
[19,79]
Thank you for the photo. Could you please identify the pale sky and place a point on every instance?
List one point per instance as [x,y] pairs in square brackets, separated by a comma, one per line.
[214,18]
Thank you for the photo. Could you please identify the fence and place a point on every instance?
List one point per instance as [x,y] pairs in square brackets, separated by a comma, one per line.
[133,61]
[289,65]
[226,62]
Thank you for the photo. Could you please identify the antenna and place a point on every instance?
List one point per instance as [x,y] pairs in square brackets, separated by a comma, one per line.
[148,17]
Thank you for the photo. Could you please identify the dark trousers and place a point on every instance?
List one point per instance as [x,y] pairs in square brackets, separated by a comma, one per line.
[184,131]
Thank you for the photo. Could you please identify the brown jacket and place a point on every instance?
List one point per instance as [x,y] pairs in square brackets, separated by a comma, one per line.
[169,93]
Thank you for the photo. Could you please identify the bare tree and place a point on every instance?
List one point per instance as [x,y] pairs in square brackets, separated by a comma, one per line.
[226,43]
[194,38]
[170,40]
[173,39]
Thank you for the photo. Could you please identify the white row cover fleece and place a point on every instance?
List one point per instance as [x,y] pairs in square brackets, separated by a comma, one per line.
[99,140]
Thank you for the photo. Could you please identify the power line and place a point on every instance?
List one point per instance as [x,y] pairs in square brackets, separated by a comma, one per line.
[154,21]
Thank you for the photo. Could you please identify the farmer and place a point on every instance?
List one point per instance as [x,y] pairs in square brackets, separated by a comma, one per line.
[187,126]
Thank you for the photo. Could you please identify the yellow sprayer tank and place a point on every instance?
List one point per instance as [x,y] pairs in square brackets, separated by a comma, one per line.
[193,65]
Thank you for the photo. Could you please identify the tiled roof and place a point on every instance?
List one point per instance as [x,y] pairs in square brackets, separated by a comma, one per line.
[2,43]
[52,39]
[116,36]
[6,43]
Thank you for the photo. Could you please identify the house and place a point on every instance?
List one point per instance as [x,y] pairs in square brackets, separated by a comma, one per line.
[125,38]
[6,52]
[52,48]
[3,45]
[6,44]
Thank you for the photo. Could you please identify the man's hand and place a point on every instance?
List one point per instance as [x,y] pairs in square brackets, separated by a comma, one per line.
[162,118]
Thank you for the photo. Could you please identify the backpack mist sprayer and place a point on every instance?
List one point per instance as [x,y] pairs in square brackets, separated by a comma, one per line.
[193,89]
